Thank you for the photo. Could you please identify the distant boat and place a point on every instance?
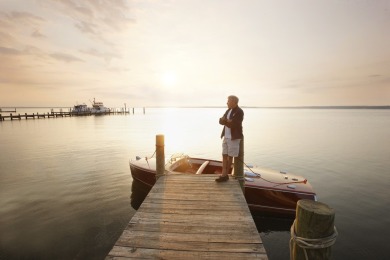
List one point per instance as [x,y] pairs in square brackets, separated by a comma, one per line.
[266,191]
[81,109]
[99,108]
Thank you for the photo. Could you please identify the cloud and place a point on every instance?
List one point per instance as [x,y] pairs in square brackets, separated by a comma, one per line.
[65,57]
[86,27]
[13,18]
[9,51]
[107,56]
[17,27]
[27,50]
[37,34]
[96,17]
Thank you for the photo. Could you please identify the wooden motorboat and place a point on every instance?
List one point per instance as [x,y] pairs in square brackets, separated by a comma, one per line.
[266,191]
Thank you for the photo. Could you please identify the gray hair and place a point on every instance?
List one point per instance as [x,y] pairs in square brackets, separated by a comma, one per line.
[233,98]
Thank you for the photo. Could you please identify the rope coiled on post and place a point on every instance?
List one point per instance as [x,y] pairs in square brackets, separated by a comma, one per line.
[311,243]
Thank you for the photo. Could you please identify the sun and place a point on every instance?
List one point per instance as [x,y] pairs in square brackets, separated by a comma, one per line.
[169,79]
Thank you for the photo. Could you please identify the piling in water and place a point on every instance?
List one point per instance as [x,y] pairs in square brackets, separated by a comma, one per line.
[239,165]
[160,156]
[313,232]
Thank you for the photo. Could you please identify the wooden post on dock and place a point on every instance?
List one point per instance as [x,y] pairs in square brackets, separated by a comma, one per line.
[239,165]
[160,156]
[313,232]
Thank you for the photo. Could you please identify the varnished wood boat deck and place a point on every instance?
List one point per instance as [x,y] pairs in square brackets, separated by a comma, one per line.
[191,217]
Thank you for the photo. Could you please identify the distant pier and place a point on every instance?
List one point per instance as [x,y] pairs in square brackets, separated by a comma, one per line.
[19,116]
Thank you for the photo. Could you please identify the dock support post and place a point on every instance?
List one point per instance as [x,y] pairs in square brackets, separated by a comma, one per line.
[313,232]
[239,165]
[160,156]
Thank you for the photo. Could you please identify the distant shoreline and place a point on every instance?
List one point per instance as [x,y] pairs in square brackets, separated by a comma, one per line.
[262,107]
[330,107]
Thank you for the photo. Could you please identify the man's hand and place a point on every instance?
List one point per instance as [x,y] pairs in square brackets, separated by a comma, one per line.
[222,120]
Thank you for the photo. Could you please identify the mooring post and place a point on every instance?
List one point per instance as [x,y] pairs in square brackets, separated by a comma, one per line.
[160,156]
[239,165]
[313,232]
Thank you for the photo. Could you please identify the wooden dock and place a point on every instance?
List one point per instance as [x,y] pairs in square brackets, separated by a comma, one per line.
[191,217]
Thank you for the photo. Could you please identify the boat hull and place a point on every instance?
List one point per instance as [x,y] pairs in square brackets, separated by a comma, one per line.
[264,197]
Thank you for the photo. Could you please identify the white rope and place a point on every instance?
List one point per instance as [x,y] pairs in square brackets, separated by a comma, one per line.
[311,243]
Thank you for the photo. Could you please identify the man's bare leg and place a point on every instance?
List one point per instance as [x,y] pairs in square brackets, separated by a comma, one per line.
[228,164]
[224,164]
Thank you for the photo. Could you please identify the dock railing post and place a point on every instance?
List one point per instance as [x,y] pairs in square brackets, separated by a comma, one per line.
[313,231]
[160,156]
[239,165]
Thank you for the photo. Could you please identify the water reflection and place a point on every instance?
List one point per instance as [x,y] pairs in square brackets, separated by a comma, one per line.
[275,234]
[139,191]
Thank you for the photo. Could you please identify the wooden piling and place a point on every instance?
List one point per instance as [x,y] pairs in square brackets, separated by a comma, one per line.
[239,165]
[160,156]
[313,232]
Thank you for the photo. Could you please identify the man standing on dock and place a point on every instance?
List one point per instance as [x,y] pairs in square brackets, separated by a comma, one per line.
[231,134]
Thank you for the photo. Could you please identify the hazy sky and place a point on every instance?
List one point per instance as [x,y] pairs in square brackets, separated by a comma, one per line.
[195,53]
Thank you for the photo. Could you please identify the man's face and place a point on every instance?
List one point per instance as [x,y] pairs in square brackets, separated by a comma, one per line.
[231,103]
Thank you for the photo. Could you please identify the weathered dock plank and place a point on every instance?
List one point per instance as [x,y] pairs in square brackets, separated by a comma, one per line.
[191,216]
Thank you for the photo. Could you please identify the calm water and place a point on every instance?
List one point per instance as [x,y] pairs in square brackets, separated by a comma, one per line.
[65,184]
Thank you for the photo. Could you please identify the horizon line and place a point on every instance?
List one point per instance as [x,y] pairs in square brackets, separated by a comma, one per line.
[277,107]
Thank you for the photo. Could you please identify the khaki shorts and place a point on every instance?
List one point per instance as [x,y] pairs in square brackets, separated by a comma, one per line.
[231,147]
